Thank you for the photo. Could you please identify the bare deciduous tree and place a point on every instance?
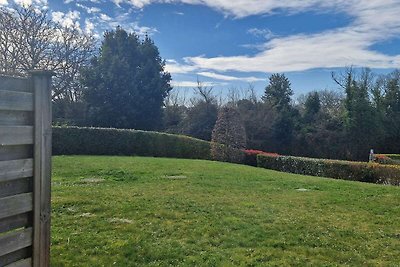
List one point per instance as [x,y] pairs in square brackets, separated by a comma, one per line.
[29,40]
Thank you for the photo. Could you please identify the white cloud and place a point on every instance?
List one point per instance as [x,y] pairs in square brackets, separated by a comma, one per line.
[69,19]
[374,21]
[89,26]
[172,66]
[42,4]
[266,33]
[89,10]
[194,84]
[105,17]
[228,78]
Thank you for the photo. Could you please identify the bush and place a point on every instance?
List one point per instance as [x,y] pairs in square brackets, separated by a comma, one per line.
[101,141]
[390,159]
[383,159]
[338,169]
[251,156]
[228,137]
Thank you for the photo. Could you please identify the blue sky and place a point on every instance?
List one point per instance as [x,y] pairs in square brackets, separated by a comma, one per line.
[231,43]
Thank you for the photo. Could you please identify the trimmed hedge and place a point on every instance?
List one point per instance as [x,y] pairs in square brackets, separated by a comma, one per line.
[106,141]
[392,158]
[338,169]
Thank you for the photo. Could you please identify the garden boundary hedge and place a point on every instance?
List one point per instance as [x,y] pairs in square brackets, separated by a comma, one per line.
[108,141]
[338,169]
[391,159]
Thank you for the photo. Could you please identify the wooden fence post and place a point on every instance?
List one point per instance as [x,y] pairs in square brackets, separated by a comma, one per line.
[41,82]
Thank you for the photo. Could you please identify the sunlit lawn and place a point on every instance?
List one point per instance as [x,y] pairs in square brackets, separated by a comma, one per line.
[133,211]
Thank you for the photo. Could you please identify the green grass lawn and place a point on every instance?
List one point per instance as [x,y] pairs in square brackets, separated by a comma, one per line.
[134,211]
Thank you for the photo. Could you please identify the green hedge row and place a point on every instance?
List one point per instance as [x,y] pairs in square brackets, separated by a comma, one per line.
[101,141]
[395,157]
[338,169]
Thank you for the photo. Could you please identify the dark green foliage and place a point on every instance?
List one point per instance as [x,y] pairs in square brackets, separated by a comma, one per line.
[258,120]
[278,93]
[391,110]
[338,169]
[230,132]
[312,107]
[126,84]
[360,121]
[69,113]
[201,119]
[100,141]
[277,96]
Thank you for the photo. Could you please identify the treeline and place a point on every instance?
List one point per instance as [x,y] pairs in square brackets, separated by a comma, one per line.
[123,84]
[346,123]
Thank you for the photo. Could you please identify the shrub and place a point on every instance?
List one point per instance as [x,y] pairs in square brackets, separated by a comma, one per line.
[338,169]
[228,137]
[390,159]
[101,141]
[383,159]
[251,156]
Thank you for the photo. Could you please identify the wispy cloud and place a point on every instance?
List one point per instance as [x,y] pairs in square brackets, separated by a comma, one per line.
[374,21]
[265,33]
[193,84]
[222,77]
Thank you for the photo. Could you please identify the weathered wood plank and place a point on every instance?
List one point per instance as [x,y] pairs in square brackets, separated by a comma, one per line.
[16,118]
[15,187]
[16,135]
[15,256]
[15,241]
[14,84]
[13,205]
[15,169]
[16,152]
[21,263]
[10,100]
[15,222]
[42,168]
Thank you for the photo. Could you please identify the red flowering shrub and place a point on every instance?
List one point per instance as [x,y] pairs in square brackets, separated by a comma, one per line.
[388,159]
[251,156]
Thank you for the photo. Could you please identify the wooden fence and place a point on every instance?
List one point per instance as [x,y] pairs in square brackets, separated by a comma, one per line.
[25,170]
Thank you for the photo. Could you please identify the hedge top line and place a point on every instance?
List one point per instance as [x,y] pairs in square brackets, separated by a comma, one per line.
[133,131]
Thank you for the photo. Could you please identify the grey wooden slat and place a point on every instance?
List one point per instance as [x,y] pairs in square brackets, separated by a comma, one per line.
[16,118]
[15,169]
[42,168]
[16,152]
[16,135]
[14,84]
[15,241]
[10,100]
[13,205]
[16,256]
[15,222]
[21,263]
[15,187]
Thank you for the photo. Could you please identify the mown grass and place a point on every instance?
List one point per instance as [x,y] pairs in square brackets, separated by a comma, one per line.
[133,211]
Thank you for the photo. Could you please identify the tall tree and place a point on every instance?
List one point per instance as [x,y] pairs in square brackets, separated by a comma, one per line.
[278,95]
[312,106]
[126,83]
[360,116]
[278,92]
[391,106]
